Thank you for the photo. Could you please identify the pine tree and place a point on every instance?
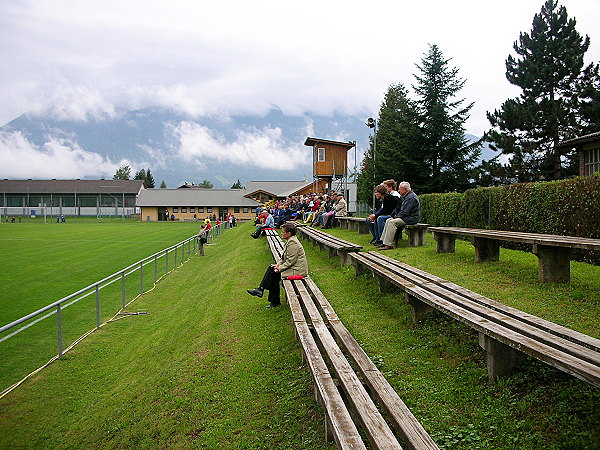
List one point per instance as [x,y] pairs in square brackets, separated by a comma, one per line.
[149,180]
[140,175]
[449,155]
[163,185]
[237,185]
[122,173]
[394,157]
[547,68]
[206,184]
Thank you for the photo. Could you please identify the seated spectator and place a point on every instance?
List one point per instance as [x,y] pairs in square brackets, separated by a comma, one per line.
[408,214]
[388,205]
[339,210]
[269,223]
[292,263]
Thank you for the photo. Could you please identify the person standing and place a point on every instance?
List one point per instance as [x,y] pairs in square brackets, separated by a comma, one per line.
[292,263]
[202,238]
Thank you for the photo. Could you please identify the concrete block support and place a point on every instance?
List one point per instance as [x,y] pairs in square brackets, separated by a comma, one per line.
[501,358]
[419,308]
[445,243]
[486,249]
[554,263]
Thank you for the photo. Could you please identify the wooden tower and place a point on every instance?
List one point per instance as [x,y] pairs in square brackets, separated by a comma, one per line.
[330,163]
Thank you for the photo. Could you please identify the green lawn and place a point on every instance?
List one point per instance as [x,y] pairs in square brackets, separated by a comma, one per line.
[210,367]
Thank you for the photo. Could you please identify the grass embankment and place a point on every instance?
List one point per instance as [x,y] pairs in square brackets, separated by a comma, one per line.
[210,367]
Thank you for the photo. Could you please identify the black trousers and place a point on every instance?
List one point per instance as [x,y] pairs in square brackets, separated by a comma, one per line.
[270,282]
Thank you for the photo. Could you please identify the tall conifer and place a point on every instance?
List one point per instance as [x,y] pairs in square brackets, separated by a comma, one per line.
[548,69]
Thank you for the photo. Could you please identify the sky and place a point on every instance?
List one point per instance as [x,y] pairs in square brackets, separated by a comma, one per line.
[91,59]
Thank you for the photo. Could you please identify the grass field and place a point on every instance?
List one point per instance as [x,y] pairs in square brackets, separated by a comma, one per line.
[209,367]
[44,263]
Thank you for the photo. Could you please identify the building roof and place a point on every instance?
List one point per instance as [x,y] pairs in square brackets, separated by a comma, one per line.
[275,188]
[130,187]
[194,197]
[580,140]
[310,141]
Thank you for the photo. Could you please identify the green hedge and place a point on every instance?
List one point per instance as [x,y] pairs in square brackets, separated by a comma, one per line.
[566,207]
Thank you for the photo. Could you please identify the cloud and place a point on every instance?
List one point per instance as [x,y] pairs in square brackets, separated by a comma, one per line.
[262,148]
[57,158]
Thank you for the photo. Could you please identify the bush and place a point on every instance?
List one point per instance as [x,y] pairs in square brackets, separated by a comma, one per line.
[566,207]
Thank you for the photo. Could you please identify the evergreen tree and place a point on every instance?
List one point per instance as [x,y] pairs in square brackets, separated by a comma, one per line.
[122,173]
[395,156]
[140,175]
[163,185]
[449,155]
[237,185]
[550,108]
[149,180]
[206,184]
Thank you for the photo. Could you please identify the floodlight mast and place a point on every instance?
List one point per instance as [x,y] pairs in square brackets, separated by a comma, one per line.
[372,123]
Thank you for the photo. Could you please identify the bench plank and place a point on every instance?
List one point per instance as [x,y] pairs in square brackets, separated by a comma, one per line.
[563,354]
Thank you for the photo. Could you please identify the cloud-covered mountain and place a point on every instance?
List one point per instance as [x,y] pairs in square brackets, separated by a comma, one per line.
[176,148]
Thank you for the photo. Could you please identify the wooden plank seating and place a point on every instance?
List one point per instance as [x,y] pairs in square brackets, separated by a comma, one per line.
[504,332]
[553,252]
[354,224]
[339,389]
[325,241]
[415,233]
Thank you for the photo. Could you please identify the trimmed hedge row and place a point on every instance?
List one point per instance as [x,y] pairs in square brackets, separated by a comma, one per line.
[566,207]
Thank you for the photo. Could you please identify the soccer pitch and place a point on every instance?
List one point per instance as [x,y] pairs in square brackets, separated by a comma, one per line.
[42,263]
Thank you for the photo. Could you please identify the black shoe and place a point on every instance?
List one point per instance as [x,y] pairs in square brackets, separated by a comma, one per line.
[254,236]
[258,292]
[372,241]
[271,305]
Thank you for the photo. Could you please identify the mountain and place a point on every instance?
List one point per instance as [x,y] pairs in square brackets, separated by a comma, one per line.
[179,148]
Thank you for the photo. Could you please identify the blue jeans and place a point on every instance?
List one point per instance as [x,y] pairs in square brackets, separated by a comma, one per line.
[376,228]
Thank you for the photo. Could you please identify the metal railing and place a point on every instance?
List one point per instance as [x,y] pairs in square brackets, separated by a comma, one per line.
[176,254]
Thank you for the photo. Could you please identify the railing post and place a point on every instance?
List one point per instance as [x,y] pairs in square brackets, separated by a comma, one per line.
[59,320]
[182,253]
[155,268]
[141,277]
[167,261]
[175,256]
[97,307]
[123,289]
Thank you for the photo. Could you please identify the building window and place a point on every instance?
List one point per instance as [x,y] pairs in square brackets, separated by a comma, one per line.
[192,209]
[245,210]
[208,210]
[175,209]
[200,209]
[591,161]
[183,209]
[320,154]
[236,209]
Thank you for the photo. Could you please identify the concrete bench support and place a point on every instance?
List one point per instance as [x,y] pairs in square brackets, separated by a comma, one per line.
[419,309]
[554,263]
[501,358]
[486,249]
[416,235]
[445,243]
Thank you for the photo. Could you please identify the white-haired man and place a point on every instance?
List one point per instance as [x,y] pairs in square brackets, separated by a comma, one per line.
[407,214]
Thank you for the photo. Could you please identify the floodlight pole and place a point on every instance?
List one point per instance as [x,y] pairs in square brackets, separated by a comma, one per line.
[372,123]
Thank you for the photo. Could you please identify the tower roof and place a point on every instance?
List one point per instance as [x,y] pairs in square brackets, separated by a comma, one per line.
[311,141]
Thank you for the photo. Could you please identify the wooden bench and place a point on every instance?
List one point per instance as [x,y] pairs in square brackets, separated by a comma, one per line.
[415,233]
[553,252]
[504,332]
[354,224]
[325,241]
[317,328]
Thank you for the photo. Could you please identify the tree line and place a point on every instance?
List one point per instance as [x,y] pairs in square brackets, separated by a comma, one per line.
[422,139]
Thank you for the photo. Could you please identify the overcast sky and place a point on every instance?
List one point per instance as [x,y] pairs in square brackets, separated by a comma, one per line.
[90,59]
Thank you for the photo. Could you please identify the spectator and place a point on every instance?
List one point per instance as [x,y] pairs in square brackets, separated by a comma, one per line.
[292,263]
[269,223]
[376,221]
[408,214]
[340,209]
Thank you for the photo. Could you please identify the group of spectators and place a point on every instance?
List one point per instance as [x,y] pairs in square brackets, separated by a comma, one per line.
[315,209]
[394,209]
